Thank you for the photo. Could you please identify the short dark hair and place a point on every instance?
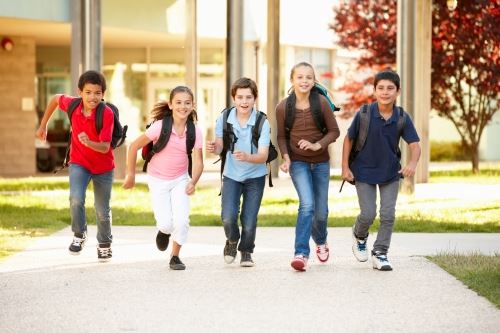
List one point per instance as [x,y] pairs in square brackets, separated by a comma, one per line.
[243,83]
[92,77]
[389,75]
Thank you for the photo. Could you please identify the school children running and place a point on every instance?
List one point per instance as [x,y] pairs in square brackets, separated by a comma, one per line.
[377,164]
[244,172]
[169,180]
[91,159]
[304,147]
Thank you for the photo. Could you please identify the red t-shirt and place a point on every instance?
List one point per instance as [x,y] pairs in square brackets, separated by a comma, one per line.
[90,159]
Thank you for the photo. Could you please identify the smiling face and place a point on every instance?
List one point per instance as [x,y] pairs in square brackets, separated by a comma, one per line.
[244,100]
[91,95]
[302,79]
[181,105]
[386,92]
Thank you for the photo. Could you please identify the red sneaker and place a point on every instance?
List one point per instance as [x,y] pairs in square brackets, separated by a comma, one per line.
[322,252]
[299,263]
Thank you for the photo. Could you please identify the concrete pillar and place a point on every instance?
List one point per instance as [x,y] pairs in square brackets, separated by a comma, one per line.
[414,67]
[273,69]
[234,45]
[191,46]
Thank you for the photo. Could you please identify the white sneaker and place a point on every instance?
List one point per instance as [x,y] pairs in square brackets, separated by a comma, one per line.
[299,262]
[322,252]
[381,262]
[359,247]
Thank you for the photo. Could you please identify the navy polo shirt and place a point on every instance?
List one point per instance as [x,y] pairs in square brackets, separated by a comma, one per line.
[377,162]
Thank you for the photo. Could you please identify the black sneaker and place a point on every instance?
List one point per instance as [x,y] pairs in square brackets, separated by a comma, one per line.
[78,242]
[176,264]
[246,259]
[230,252]
[162,241]
[104,252]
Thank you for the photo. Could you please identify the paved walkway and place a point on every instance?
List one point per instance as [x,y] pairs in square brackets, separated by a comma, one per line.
[44,289]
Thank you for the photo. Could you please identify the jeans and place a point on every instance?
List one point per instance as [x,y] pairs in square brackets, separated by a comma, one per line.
[311,181]
[367,198]
[79,179]
[252,190]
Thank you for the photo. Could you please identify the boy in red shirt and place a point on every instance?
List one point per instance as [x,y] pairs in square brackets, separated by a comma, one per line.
[91,158]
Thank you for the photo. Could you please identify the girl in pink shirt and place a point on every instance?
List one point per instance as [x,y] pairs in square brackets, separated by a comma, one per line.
[170,184]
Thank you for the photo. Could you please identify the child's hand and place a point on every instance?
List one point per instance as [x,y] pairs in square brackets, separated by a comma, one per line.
[129,182]
[41,133]
[347,174]
[408,170]
[84,138]
[190,188]
[210,146]
[306,145]
[240,155]
[285,166]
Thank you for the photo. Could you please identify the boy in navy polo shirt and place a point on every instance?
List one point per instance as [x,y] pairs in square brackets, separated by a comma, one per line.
[91,158]
[378,164]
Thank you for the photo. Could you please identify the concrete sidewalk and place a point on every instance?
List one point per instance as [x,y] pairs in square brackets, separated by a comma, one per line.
[44,289]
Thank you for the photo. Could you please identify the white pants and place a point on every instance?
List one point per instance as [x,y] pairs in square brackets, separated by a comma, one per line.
[171,206]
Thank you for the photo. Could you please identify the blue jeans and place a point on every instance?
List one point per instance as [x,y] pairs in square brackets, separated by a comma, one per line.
[367,198]
[311,181]
[79,179]
[252,190]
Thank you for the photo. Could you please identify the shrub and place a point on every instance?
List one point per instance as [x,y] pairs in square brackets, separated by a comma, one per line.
[446,151]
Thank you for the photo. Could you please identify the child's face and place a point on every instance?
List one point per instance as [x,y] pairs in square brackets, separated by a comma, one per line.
[303,79]
[244,100]
[386,92]
[181,105]
[91,95]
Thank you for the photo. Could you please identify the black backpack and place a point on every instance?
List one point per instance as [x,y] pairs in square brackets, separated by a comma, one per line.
[362,130]
[149,150]
[119,131]
[229,139]
[315,106]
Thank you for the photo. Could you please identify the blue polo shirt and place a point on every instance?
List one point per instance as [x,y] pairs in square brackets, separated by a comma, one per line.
[240,170]
[377,162]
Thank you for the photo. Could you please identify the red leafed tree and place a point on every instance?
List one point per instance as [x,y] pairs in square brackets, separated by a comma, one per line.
[465,58]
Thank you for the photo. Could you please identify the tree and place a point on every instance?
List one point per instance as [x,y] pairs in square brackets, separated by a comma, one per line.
[465,57]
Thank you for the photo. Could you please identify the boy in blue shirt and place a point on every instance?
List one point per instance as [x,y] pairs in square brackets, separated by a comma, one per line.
[378,164]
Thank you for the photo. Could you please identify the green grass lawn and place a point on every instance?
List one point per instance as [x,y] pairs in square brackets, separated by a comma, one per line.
[480,273]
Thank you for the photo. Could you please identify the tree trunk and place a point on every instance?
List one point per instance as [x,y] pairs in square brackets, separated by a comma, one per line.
[475,158]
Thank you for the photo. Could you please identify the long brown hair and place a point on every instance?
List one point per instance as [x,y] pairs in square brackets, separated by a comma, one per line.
[162,110]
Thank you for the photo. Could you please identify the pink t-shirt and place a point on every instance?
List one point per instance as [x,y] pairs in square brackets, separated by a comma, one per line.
[172,161]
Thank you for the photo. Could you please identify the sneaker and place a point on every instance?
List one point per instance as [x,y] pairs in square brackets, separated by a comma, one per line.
[299,262]
[381,262]
[162,241]
[78,242]
[104,252]
[359,247]
[246,259]
[322,252]
[230,252]
[176,264]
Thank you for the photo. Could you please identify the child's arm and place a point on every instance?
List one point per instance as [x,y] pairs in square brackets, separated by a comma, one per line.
[132,159]
[41,133]
[214,147]
[101,147]
[259,158]
[415,151]
[197,170]
[346,149]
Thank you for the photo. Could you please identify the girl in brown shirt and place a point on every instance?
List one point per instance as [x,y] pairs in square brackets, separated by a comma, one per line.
[304,148]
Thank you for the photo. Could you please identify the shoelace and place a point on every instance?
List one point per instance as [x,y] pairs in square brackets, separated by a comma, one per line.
[104,250]
[77,241]
[322,249]
[362,246]
[382,258]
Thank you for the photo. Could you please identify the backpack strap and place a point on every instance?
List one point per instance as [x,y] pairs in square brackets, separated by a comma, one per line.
[190,141]
[257,129]
[99,115]
[228,141]
[166,130]
[289,117]
[363,125]
[317,113]
[71,109]
[400,126]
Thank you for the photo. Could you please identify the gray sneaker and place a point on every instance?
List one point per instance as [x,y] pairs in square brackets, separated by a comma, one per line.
[230,251]
[359,247]
[246,259]
[381,262]
[176,264]
[77,244]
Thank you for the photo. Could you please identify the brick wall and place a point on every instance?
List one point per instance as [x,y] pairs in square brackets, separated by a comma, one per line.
[17,126]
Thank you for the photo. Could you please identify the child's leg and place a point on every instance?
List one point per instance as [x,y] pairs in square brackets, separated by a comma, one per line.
[253,189]
[180,215]
[230,202]
[303,183]
[160,193]
[102,195]
[388,198]
[79,179]
[367,197]
[321,182]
